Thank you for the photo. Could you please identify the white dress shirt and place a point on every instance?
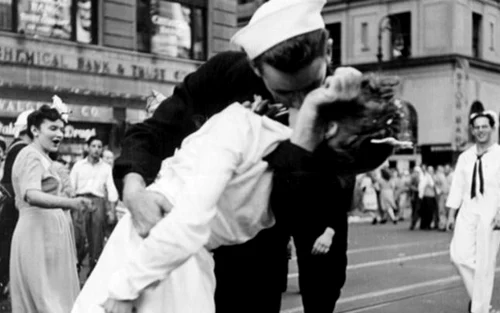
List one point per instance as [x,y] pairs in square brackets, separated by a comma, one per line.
[460,190]
[219,186]
[95,179]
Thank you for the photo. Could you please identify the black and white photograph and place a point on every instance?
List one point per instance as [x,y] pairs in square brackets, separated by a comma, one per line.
[249,156]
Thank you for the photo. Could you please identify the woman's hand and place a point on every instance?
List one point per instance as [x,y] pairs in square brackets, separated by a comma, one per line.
[118,306]
[265,108]
[323,242]
[81,204]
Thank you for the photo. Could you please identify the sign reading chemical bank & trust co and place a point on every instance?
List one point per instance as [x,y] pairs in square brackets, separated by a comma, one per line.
[51,56]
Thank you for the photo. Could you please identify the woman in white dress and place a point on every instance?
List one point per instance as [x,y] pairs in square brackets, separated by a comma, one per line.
[43,273]
[219,186]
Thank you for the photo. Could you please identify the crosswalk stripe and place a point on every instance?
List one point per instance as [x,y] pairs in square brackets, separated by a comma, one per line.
[389,261]
[385,292]
[389,247]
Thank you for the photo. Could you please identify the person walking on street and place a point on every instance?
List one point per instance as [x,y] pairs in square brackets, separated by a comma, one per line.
[92,178]
[475,193]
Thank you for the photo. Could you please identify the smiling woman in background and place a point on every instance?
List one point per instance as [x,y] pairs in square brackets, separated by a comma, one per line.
[43,259]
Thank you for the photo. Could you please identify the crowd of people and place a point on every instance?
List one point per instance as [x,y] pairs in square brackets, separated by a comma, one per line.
[244,154]
[387,194]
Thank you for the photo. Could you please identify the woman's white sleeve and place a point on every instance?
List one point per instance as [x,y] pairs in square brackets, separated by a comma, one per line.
[186,229]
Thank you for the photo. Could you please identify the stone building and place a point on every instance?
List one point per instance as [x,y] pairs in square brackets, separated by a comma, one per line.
[103,57]
[447,53]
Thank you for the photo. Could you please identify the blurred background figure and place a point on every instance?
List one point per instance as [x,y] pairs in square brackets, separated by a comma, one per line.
[369,201]
[397,187]
[442,190]
[427,195]
[416,176]
[403,201]
[387,202]
[153,101]
[108,156]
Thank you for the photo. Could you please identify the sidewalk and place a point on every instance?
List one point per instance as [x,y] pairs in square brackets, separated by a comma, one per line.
[357,216]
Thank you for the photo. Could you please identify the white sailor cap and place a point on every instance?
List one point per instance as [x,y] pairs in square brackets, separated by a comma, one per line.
[276,21]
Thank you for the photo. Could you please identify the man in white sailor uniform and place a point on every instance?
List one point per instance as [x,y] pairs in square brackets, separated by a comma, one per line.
[475,190]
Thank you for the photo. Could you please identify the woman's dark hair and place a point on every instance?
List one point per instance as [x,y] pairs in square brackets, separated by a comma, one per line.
[295,53]
[385,173]
[37,117]
[375,92]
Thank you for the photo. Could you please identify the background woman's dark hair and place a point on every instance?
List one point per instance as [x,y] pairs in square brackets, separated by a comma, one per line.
[91,139]
[386,173]
[37,117]
[295,53]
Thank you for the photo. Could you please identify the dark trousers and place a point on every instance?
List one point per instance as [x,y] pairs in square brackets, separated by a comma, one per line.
[90,227]
[250,276]
[8,221]
[321,277]
[427,209]
[415,210]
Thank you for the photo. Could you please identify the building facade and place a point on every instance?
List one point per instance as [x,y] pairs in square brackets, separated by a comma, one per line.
[103,58]
[446,52]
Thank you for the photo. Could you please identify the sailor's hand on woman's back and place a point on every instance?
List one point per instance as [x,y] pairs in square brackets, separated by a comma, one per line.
[146,207]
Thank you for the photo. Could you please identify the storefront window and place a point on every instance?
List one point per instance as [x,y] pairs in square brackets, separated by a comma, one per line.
[177,28]
[60,19]
[45,18]
[6,14]
[84,25]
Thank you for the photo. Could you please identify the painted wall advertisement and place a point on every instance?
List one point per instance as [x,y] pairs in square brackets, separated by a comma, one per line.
[45,18]
[171,29]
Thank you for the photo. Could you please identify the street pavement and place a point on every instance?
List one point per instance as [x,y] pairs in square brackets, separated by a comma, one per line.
[393,269]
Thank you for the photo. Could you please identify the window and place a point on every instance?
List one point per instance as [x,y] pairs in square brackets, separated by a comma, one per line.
[400,35]
[86,21]
[364,37]
[6,15]
[476,34]
[335,31]
[492,36]
[175,29]
[62,19]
